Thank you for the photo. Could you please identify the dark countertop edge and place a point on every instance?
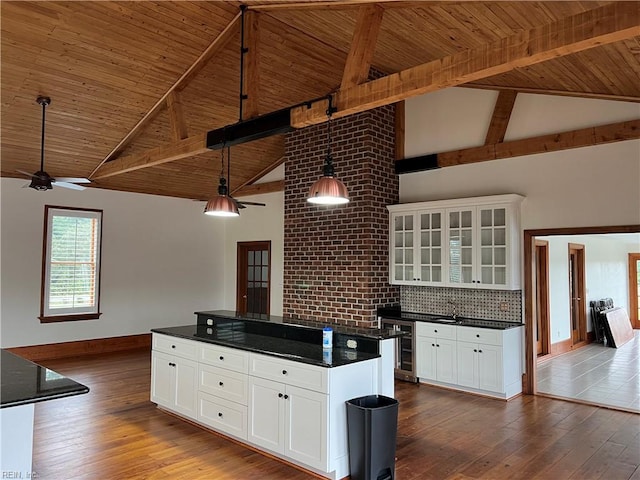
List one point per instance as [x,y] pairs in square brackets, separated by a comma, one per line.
[337,328]
[394,314]
[27,401]
[296,358]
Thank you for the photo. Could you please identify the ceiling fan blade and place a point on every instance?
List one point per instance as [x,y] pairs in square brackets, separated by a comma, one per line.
[71,186]
[72,180]
[27,174]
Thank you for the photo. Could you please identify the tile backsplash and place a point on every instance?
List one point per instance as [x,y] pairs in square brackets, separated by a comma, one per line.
[505,305]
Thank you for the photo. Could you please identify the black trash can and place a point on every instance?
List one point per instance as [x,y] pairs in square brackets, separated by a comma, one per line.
[372,427]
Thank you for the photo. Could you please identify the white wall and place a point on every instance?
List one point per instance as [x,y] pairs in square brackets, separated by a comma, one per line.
[160,263]
[580,187]
[606,275]
[257,224]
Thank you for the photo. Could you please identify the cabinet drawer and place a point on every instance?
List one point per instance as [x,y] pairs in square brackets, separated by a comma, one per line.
[224,357]
[222,415]
[223,383]
[175,346]
[288,372]
[438,330]
[480,335]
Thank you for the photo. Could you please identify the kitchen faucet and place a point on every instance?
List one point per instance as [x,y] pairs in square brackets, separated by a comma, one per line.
[454,309]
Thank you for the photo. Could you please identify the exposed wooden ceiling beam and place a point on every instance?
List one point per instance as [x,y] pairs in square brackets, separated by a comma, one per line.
[215,46]
[259,188]
[603,25]
[176,117]
[363,46]
[584,137]
[272,166]
[251,79]
[501,115]
[336,4]
[188,147]
[563,93]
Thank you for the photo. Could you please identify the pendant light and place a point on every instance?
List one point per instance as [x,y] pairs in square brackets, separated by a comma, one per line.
[328,190]
[222,205]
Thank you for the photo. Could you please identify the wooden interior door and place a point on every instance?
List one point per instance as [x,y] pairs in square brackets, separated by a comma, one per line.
[577,294]
[634,289]
[253,278]
[543,340]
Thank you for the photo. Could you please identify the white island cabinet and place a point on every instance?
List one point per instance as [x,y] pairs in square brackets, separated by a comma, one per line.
[290,409]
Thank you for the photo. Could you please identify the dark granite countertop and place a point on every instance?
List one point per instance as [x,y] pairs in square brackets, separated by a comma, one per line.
[286,348]
[372,333]
[396,313]
[26,382]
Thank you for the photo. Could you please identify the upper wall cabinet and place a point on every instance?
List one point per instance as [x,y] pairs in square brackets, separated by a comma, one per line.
[469,242]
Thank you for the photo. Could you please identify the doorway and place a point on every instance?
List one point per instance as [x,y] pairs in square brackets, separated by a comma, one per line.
[634,289]
[543,326]
[529,379]
[253,278]
[577,307]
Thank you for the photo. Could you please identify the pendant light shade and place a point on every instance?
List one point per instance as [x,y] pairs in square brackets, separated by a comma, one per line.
[328,190]
[221,206]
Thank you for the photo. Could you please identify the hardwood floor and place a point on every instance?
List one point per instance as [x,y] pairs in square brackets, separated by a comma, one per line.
[115,432]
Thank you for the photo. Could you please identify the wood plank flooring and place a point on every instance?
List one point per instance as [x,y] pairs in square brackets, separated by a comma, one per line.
[115,432]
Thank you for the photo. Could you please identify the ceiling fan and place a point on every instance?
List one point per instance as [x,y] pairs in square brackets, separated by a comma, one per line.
[41,180]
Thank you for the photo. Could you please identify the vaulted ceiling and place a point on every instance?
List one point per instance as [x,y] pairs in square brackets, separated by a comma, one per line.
[135,86]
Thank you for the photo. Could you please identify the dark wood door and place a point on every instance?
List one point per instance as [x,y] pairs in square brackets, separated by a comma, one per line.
[634,289]
[577,292]
[253,278]
[543,343]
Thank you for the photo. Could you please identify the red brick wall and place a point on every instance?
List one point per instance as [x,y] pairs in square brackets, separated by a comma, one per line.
[336,258]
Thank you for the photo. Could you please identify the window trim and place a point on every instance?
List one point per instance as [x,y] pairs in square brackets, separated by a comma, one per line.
[65,317]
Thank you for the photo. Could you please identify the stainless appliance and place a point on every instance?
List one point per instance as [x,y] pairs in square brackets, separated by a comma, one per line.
[405,365]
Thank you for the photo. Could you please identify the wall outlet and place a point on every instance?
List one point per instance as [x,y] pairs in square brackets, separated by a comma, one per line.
[504,307]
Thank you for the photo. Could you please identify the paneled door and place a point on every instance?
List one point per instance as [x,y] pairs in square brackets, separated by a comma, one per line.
[253,278]
[634,289]
[577,309]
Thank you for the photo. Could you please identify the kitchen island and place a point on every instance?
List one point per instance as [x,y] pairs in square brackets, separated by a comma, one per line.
[269,383]
[25,383]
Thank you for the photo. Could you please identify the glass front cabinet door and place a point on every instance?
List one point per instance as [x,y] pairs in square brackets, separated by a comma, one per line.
[469,243]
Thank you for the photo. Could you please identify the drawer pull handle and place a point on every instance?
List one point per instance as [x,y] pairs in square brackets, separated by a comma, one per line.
[220,414]
[286,396]
[221,357]
[172,364]
[279,395]
[221,384]
[284,372]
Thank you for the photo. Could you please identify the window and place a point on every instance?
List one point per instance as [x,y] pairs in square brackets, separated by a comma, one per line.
[71,264]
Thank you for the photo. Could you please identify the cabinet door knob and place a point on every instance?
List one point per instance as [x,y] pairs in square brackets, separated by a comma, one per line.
[221,384]
[279,395]
[173,346]
[433,344]
[286,396]
[437,345]
[219,414]
[221,357]
[479,351]
[475,349]
[478,335]
[284,372]
[435,331]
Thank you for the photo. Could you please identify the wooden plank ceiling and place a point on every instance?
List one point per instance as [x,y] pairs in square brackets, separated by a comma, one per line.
[129,77]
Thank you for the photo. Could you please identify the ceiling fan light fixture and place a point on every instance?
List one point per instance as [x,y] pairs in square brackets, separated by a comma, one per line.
[221,206]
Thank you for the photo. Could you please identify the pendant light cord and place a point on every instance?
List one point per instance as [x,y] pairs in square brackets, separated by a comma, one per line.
[44,109]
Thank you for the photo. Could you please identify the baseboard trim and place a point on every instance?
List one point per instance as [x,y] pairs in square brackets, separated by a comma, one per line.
[52,351]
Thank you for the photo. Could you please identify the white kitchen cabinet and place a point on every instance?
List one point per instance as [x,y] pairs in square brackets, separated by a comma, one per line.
[173,383]
[470,243]
[484,360]
[289,420]
[417,248]
[436,352]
